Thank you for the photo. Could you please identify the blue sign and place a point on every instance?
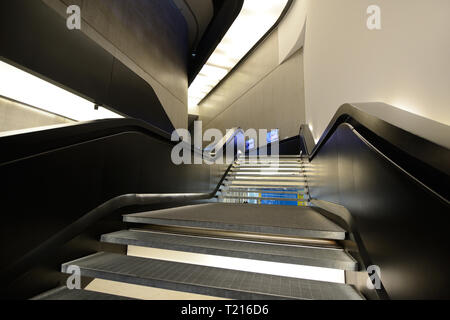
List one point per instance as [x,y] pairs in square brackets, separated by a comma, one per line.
[250,144]
[273,136]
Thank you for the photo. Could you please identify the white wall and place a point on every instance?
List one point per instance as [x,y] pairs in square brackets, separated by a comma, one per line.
[274,102]
[291,30]
[260,94]
[406,64]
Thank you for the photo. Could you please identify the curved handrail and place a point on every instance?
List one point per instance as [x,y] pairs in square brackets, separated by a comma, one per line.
[307,138]
[97,214]
[417,145]
[40,140]
[25,145]
[215,149]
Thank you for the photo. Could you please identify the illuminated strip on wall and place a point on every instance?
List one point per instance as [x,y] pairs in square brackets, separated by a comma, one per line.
[254,21]
[31,90]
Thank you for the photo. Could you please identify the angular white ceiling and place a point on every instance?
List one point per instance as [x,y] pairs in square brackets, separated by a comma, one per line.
[254,21]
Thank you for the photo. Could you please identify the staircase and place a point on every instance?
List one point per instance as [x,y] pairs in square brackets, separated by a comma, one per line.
[274,251]
[266,180]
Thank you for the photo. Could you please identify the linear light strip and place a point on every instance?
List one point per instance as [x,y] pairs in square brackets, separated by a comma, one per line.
[264,267]
[253,22]
[28,89]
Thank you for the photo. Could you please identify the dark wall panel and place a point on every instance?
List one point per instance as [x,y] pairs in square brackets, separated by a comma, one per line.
[290,146]
[53,177]
[225,14]
[125,163]
[136,97]
[35,37]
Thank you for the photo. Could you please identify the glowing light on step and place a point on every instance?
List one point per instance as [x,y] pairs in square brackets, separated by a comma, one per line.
[264,267]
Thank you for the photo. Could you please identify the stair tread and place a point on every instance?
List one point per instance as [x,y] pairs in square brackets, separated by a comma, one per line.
[273,178]
[283,253]
[254,161]
[281,220]
[262,198]
[262,190]
[268,170]
[266,174]
[268,164]
[269,156]
[63,293]
[265,184]
[207,280]
[267,181]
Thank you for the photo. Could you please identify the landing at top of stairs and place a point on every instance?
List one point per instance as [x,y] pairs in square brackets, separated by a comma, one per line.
[280,220]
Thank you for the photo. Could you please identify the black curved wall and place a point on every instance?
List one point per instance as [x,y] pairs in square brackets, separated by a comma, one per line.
[286,147]
[226,11]
[52,178]
[403,226]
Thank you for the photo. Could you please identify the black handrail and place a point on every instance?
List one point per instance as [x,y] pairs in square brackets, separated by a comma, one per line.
[97,129]
[35,141]
[307,139]
[97,214]
[417,145]
[416,152]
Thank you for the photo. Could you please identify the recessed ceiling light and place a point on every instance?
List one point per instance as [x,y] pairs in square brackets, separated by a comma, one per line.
[26,88]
